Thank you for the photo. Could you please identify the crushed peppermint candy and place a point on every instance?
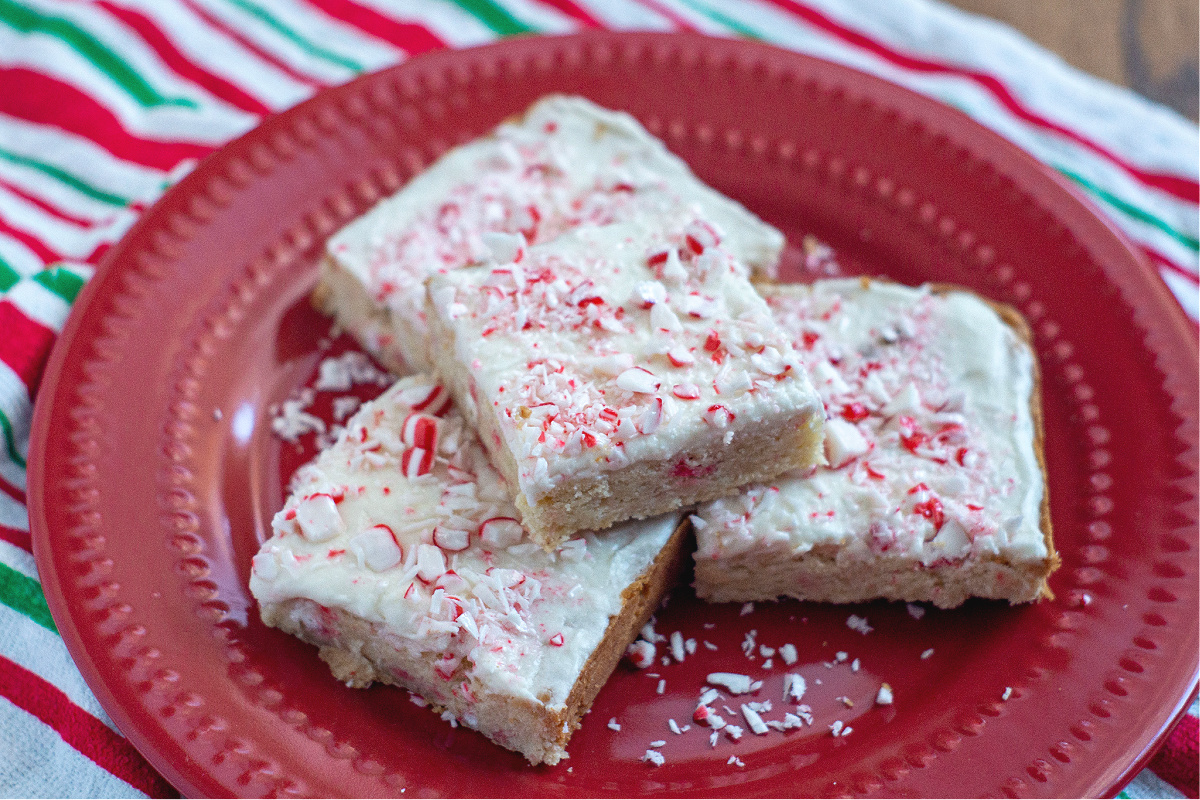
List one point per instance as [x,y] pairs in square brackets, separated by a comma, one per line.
[754,720]
[678,650]
[926,654]
[789,722]
[704,715]
[733,682]
[291,420]
[614,725]
[340,373]
[915,611]
[819,257]
[654,757]
[650,635]
[794,687]
[857,623]
[789,654]
[1008,691]
[345,406]
[641,653]
[884,696]
[748,644]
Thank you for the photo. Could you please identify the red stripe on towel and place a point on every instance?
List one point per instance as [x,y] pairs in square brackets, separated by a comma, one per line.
[81,730]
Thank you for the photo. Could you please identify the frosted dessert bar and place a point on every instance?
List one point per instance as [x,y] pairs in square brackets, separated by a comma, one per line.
[935,486]
[621,372]
[400,556]
[566,163]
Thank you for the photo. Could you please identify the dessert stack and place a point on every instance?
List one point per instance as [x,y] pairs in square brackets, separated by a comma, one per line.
[593,357]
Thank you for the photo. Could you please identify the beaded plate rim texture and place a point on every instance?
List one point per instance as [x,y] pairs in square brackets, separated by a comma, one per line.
[153,471]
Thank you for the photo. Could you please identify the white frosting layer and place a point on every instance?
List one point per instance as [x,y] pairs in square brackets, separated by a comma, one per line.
[404,522]
[930,438]
[566,163]
[614,345]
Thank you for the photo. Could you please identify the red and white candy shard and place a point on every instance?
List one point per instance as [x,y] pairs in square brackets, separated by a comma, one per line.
[420,430]
[504,248]
[501,531]
[431,562]
[318,518]
[843,442]
[639,380]
[430,398]
[379,548]
[416,462]
[641,653]
[453,539]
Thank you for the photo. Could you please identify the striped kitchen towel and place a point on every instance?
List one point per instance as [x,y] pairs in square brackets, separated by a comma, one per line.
[105,103]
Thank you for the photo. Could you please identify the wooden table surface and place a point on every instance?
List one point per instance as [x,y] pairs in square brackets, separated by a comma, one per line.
[1148,45]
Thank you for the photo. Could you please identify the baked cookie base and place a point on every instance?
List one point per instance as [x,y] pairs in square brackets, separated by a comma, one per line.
[341,295]
[702,473]
[821,576]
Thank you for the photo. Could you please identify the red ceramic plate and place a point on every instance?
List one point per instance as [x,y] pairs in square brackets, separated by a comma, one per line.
[146,508]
